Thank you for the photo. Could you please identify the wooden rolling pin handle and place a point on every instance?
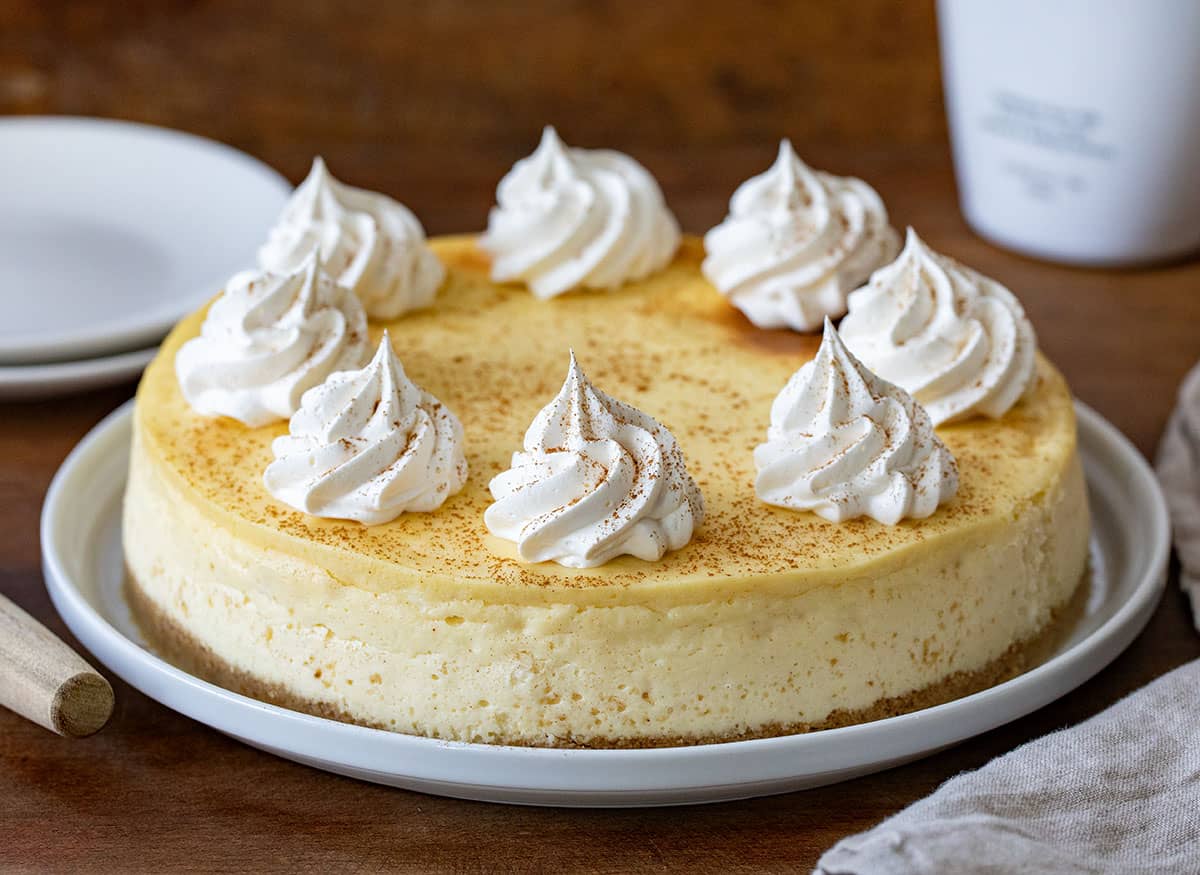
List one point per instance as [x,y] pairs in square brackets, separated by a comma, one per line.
[43,679]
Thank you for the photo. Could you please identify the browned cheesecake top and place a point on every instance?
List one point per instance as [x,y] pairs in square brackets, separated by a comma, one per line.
[672,347]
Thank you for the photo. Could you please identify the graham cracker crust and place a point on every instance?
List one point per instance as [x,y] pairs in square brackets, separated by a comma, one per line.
[176,645]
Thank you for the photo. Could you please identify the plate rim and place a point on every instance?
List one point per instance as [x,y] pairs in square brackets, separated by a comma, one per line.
[49,371]
[129,332]
[1081,661]
[51,379]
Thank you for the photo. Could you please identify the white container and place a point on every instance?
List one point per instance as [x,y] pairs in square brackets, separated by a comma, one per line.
[1075,125]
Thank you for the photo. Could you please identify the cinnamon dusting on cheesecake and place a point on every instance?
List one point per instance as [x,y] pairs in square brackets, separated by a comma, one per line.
[718,410]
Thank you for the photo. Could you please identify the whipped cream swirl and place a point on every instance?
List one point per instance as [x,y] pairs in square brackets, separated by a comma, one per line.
[597,479]
[958,341]
[368,242]
[368,445]
[269,338]
[795,243]
[578,217]
[844,443]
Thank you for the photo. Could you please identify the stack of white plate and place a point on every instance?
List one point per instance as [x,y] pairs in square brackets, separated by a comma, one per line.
[109,233]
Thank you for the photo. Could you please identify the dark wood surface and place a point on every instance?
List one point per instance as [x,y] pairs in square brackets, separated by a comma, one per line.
[156,790]
[285,77]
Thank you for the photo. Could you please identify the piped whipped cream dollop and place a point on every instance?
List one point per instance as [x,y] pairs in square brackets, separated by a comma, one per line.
[597,479]
[845,443]
[367,241]
[368,445]
[959,342]
[268,339]
[568,218]
[795,242]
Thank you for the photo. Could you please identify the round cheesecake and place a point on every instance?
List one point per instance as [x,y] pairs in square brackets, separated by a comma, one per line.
[770,621]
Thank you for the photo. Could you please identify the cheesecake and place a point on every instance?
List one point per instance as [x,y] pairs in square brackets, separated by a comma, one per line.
[769,620]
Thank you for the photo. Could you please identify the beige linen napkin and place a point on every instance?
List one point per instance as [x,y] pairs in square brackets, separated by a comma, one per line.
[1119,793]
[1179,473]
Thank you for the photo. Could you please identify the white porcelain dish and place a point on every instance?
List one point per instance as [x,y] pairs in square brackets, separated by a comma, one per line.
[83,566]
[21,382]
[111,231]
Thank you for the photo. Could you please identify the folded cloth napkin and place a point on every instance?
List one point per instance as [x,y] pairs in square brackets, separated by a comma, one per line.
[1118,793]
[1179,473]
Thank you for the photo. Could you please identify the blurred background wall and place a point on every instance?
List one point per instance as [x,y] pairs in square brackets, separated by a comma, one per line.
[414,96]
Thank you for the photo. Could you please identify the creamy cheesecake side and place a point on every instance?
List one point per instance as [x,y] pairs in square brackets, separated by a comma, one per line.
[769,622]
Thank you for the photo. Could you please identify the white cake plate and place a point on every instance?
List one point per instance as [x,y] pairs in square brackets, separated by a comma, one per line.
[110,232]
[81,543]
[20,382]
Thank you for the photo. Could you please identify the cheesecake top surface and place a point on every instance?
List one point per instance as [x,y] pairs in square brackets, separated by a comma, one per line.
[671,346]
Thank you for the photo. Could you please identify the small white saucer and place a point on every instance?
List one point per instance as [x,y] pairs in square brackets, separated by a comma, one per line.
[81,544]
[20,382]
[112,231]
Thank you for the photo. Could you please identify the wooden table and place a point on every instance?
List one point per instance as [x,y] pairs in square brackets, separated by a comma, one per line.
[156,789]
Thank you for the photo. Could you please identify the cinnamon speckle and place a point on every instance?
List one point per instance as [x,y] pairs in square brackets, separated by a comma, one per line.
[673,345]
